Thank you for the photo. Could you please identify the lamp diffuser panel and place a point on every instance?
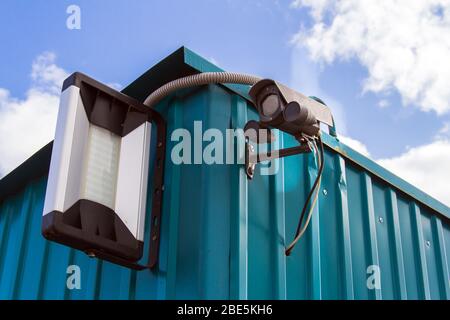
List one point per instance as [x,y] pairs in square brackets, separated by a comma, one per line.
[101,166]
[97,185]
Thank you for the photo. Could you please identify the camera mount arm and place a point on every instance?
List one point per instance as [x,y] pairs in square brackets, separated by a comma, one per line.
[252,158]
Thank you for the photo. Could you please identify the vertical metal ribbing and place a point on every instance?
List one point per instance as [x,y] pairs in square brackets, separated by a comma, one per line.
[39,249]
[316,272]
[368,193]
[60,258]
[15,253]
[442,258]
[417,227]
[399,265]
[241,240]
[43,271]
[5,213]
[280,224]
[239,214]
[69,262]
[342,203]
[240,275]
[169,292]
[93,279]
[126,277]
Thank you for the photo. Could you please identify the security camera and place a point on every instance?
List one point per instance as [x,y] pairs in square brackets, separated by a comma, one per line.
[290,111]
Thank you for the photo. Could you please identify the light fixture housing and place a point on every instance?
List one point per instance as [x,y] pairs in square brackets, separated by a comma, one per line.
[290,111]
[97,186]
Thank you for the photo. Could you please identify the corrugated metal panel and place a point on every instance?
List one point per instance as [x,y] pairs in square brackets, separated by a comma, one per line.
[224,236]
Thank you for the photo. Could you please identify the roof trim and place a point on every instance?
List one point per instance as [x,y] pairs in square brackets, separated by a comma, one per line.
[181,63]
[34,167]
[386,175]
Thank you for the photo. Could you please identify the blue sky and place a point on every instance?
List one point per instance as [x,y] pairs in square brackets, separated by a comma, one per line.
[121,39]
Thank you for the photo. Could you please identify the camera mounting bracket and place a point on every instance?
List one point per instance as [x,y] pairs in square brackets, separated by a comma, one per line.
[252,158]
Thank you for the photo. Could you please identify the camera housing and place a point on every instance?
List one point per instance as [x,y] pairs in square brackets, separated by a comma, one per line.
[288,110]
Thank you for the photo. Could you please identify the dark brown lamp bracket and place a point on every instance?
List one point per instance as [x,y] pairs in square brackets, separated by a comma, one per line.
[158,188]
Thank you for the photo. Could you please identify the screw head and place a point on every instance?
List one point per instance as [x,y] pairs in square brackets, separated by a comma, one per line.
[381,219]
[325,192]
[428,243]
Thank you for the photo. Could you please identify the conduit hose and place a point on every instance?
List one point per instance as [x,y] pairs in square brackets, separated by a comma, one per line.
[315,189]
[198,80]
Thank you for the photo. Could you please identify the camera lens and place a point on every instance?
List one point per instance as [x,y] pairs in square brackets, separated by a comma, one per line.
[270,105]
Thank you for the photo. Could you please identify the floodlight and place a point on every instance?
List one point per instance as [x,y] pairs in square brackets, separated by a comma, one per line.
[97,186]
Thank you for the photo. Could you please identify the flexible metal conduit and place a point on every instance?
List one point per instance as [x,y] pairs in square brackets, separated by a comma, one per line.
[198,80]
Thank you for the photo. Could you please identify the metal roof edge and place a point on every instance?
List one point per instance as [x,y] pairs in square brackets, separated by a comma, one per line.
[181,63]
[386,175]
[34,167]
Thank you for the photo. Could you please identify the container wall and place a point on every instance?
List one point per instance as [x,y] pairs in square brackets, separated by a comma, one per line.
[223,236]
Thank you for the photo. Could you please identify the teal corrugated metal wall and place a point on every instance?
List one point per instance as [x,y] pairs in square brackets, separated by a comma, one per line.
[224,236]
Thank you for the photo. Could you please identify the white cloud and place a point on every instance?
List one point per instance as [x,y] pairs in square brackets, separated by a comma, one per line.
[355,144]
[26,125]
[383,103]
[46,75]
[317,6]
[405,45]
[427,167]
[444,133]
[116,86]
